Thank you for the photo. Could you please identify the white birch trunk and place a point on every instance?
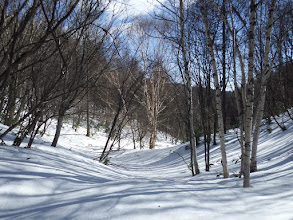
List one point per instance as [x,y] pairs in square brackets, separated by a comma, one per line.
[218,93]
[239,105]
[249,95]
[243,95]
[265,76]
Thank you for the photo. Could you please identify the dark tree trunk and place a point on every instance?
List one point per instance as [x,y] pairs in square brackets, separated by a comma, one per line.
[215,130]
[58,130]
[103,155]
[10,109]
[88,127]
[224,70]
[153,137]
[26,130]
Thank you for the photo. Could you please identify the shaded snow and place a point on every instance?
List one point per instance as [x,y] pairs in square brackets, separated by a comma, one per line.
[66,183]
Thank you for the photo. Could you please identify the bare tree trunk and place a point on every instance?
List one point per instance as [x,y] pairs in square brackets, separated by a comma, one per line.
[238,103]
[152,105]
[240,118]
[209,116]
[58,129]
[133,134]
[250,95]
[115,120]
[39,105]
[207,142]
[22,105]
[88,126]
[224,70]
[215,129]
[205,120]
[26,130]
[35,131]
[10,108]
[194,164]
[218,93]
[153,138]
[264,79]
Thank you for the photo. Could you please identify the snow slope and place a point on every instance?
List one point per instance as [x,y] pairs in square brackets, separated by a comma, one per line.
[66,183]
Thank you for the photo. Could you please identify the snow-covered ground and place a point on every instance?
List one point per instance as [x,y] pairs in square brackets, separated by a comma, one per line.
[66,183]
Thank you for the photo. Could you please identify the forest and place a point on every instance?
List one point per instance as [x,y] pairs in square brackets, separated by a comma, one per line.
[190,69]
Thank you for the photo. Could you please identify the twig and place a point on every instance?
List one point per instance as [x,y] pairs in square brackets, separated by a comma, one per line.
[182,158]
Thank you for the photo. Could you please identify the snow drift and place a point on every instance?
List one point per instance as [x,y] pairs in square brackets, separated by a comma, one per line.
[66,183]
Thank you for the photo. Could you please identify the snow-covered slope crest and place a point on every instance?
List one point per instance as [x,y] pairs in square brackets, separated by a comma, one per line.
[66,183]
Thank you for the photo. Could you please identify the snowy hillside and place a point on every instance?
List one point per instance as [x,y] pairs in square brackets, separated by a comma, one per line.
[66,183]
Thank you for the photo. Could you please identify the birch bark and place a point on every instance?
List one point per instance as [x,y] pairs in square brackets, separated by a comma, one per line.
[265,75]
[250,95]
[218,93]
